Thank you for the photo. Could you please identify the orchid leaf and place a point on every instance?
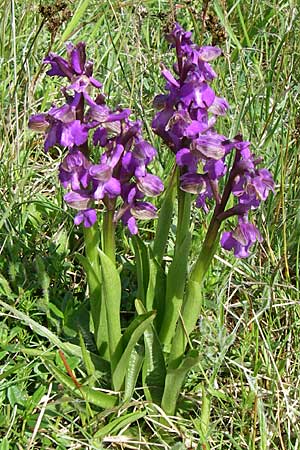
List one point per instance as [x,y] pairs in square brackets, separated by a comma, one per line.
[174,380]
[176,280]
[154,370]
[142,266]
[120,422]
[134,366]
[112,298]
[97,305]
[156,291]
[128,341]
[96,397]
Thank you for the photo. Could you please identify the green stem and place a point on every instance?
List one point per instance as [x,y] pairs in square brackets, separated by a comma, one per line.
[192,303]
[189,315]
[108,235]
[111,289]
[176,277]
[91,240]
[98,313]
[184,216]
[207,252]
[193,300]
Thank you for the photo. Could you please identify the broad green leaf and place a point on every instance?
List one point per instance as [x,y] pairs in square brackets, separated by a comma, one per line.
[134,366]
[112,298]
[91,395]
[94,278]
[176,280]
[189,315]
[97,303]
[129,339]
[174,381]
[116,425]
[142,266]
[154,370]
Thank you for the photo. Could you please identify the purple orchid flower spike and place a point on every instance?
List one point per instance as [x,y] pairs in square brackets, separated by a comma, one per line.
[76,68]
[188,113]
[186,121]
[123,152]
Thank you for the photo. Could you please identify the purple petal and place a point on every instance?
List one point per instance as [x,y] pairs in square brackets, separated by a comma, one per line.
[98,112]
[95,82]
[144,211]
[209,53]
[150,185]
[241,239]
[159,101]
[263,183]
[116,155]
[193,183]
[100,172]
[121,115]
[219,107]
[228,243]
[63,113]
[207,96]
[59,66]
[215,169]
[161,119]
[53,136]
[210,146]
[99,192]
[144,151]
[78,200]
[78,58]
[38,122]
[100,137]
[88,217]
[73,133]
[193,129]
[184,157]
[132,227]
[113,187]
[169,77]
[207,71]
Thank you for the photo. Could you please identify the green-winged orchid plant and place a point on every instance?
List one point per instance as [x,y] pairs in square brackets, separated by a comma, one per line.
[114,186]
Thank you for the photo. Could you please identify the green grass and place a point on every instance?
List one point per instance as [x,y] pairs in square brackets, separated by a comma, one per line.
[248,332]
